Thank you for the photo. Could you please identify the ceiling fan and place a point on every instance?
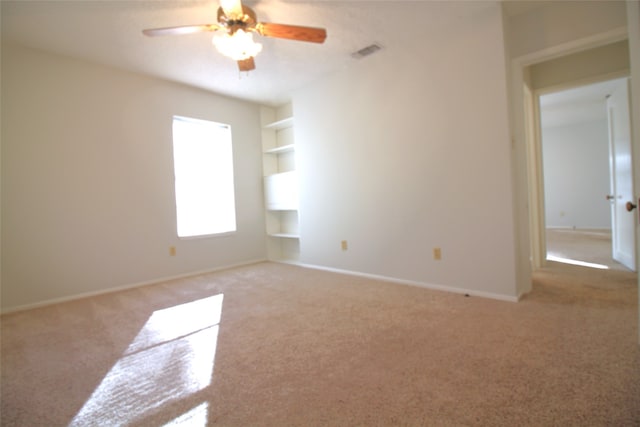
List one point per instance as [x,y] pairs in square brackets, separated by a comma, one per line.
[234,32]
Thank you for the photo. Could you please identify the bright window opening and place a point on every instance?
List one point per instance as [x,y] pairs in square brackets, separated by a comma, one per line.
[203,165]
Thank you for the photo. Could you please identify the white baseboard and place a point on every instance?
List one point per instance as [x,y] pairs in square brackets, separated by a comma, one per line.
[125,287]
[431,286]
[568,228]
[387,279]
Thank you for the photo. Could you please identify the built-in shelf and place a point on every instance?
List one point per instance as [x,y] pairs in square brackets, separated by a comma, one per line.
[280,124]
[281,150]
[285,235]
[280,185]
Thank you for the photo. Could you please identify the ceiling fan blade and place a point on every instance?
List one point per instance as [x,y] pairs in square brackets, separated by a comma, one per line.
[232,8]
[181,30]
[246,64]
[292,32]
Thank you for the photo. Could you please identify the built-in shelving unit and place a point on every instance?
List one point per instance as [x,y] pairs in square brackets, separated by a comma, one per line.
[285,235]
[280,124]
[280,184]
[281,150]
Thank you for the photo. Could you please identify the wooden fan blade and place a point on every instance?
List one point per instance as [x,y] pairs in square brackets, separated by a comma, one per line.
[247,64]
[178,31]
[232,8]
[292,32]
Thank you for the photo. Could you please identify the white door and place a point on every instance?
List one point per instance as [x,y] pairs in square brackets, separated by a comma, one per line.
[622,220]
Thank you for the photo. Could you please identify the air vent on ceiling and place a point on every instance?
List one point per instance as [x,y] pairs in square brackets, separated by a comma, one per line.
[366,51]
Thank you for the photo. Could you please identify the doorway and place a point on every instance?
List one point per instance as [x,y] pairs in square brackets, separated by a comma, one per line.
[578,176]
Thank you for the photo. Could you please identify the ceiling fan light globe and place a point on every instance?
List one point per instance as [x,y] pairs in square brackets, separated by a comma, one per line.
[238,46]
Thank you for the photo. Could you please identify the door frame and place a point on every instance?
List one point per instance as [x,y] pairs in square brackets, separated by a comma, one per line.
[529,126]
[539,224]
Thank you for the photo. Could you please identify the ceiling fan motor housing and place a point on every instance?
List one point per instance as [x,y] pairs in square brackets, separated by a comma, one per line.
[246,22]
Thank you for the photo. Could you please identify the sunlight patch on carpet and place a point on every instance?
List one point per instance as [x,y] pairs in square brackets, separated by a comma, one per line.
[198,416]
[171,358]
[576,262]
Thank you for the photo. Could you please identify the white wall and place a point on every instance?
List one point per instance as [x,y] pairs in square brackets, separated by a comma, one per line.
[87,179]
[576,174]
[409,150]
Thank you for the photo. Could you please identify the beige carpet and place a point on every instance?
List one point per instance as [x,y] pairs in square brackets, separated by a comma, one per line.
[299,347]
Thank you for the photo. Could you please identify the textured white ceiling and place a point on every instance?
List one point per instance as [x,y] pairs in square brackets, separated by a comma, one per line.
[109,32]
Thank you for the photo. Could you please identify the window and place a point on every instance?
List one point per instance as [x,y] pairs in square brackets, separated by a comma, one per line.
[203,165]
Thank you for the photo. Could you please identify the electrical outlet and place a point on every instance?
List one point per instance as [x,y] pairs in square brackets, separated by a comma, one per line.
[344,245]
[437,254]
[172,250]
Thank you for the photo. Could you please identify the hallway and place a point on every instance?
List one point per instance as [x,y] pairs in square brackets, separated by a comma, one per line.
[583,246]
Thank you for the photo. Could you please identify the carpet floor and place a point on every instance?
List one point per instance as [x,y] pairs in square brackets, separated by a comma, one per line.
[279,345]
[586,246]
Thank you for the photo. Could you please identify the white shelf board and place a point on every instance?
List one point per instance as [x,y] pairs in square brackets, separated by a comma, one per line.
[280,124]
[280,150]
[285,235]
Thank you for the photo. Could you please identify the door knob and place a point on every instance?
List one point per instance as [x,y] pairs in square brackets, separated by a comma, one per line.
[631,206]
[610,197]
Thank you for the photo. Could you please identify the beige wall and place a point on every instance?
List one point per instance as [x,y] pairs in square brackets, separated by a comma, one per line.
[553,23]
[633,18]
[609,60]
[87,179]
